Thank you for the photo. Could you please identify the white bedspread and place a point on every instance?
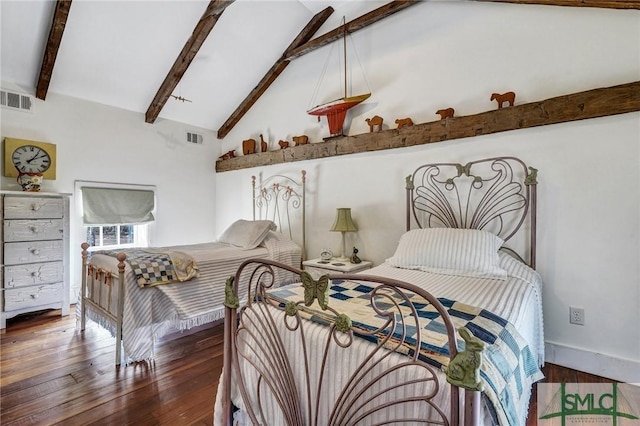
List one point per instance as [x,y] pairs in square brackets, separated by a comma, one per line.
[518,299]
[150,313]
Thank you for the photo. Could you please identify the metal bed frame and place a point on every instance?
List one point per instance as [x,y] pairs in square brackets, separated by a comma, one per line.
[275,198]
[496,194]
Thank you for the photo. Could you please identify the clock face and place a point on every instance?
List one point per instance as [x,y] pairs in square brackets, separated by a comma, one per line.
[31,159]
[326,254]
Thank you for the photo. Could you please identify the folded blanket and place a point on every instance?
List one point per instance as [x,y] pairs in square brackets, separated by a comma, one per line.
[158,266]
[508,365]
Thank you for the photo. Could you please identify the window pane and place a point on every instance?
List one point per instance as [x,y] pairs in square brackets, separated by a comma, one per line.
[93,236]
[115,236]
[109,235]
[126,234]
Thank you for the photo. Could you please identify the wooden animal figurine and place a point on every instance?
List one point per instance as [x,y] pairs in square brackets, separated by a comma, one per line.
[263,144]
[404,122]
[375,121]
[283,144]
[227,155]
[300,140]
[464,369]
[248,146]
[504,97]
[445,113]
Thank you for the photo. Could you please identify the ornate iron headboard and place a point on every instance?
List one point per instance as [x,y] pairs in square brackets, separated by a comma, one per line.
[493,194]
[277,198]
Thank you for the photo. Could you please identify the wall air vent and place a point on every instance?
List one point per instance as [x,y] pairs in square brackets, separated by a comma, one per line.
[194,137]
[16,101]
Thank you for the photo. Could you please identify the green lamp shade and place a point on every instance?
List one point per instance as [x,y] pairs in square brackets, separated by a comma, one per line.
[343,222]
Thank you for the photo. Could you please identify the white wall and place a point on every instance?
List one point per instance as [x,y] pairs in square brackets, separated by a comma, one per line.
[99,143]
[455,54]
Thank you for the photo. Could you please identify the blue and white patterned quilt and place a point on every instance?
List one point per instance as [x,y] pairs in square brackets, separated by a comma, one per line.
[508,367]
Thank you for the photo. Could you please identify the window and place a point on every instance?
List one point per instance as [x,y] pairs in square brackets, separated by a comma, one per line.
[109,237]
[116,216]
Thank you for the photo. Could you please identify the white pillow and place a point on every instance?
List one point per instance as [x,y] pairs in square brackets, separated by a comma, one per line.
[451,251]
[247,234]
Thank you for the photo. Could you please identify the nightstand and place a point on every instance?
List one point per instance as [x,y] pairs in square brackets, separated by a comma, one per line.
[318,267]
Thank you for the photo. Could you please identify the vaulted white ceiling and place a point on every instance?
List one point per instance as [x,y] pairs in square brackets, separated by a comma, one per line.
[118,53]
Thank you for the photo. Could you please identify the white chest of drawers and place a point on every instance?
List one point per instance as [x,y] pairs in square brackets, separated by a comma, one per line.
[34,253]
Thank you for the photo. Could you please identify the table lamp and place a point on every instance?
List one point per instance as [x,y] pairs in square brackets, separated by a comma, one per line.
[343,224]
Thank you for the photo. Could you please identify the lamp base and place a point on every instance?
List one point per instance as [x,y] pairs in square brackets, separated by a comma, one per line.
[342,257]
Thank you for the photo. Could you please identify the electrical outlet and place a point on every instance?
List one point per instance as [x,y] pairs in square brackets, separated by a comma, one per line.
[576,315]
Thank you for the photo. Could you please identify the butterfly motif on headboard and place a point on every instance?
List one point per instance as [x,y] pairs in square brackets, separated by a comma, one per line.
[315,290]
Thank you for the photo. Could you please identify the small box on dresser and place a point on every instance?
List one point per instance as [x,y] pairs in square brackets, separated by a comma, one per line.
[319,267]
[34,253]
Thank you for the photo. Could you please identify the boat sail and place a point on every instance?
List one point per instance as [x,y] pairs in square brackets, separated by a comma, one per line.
[336,110]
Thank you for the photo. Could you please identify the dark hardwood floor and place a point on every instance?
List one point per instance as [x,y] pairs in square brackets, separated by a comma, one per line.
[52,374]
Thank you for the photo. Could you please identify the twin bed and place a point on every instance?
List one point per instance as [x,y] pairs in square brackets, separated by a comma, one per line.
[448,330]
[142,294]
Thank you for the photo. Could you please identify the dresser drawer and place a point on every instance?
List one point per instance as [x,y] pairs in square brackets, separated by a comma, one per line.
[32,252]
[33,274]
[19,298]
[33,208]
[33,230]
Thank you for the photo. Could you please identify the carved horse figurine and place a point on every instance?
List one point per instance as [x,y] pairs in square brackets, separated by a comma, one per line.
[375,121]
[404,122]
[248,146]
[283,144]
[445,113]
[300,140]
[504,97]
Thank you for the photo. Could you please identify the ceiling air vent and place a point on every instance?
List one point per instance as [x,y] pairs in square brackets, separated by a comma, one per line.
[16,101]
[194,137]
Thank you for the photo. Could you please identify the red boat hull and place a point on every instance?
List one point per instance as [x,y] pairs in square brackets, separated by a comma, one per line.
[336,111]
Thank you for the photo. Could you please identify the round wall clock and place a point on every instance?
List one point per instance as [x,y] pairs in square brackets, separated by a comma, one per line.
[31,159]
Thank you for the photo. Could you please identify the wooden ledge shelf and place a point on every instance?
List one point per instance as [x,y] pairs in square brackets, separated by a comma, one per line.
[594,103]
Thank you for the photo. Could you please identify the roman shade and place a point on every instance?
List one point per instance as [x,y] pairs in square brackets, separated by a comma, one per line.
[111,206]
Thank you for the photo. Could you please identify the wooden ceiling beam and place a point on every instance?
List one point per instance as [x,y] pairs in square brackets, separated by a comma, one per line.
[305,35]
[192,46]
[58,24]
[601,102]
[350,27]
[612,4]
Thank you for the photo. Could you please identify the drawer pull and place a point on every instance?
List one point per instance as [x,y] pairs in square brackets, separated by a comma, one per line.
[35,274]
[35,207]
[34,296]
[34,229]
[35,251]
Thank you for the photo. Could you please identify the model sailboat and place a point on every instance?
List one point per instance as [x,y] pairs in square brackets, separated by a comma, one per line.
[336,110]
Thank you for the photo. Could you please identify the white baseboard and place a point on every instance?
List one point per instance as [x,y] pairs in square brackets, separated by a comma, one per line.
[620,369]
